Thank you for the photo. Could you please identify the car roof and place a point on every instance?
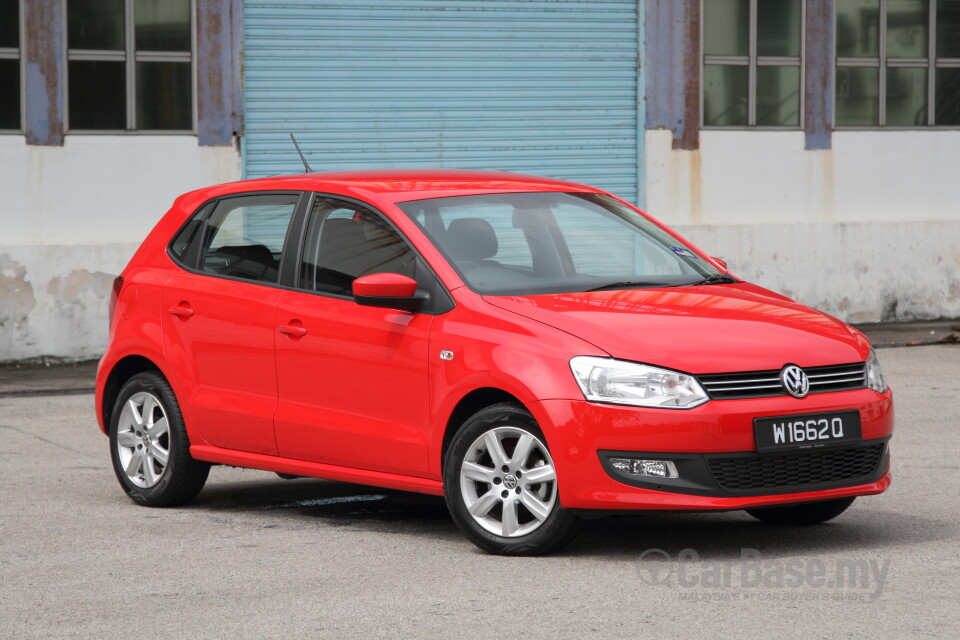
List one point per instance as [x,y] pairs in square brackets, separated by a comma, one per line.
[399,185]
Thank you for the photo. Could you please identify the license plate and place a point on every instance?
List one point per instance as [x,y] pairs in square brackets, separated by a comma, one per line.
[807,431]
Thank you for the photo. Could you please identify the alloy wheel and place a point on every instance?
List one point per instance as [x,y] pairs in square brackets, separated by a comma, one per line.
[143,440]
[508,482]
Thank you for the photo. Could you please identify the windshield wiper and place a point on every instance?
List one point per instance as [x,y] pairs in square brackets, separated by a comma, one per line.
[720,278]
[627,284]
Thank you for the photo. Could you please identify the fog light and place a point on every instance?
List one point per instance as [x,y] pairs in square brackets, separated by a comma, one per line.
[648,468]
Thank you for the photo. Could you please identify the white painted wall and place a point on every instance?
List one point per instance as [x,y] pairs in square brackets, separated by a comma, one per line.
[71,217]
[867,231]
[101,189]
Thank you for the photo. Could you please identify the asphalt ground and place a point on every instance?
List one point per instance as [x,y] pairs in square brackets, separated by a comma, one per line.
[255,556]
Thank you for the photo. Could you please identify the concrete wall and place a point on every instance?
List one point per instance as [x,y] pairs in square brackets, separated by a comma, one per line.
[867,231]
[71,217]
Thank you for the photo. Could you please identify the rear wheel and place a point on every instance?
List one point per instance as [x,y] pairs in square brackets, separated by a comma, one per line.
[806,513]
[500,485]
[149,445]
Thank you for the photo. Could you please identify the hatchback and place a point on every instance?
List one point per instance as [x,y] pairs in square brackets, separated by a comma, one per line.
[535,351]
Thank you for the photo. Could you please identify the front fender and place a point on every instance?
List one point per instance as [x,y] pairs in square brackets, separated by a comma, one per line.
[486,347]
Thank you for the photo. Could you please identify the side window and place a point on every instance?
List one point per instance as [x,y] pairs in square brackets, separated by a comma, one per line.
[244,236]
[345,241]
[186,244]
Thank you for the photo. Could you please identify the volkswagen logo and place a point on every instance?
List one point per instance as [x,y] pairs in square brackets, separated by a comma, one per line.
[795,381]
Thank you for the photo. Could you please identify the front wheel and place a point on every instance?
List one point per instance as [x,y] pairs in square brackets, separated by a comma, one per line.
[806,513]
[500,485]
[149,445]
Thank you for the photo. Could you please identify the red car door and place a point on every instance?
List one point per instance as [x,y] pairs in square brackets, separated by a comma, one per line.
[352,379]
[219,321]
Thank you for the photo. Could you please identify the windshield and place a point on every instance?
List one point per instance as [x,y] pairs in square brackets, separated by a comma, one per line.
[533,243]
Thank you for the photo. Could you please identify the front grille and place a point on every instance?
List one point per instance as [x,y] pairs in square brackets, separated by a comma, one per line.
[766,384]
[755,472]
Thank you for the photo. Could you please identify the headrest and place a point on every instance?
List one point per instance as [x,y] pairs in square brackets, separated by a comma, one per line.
[255,252]
[471,239]
[339,235]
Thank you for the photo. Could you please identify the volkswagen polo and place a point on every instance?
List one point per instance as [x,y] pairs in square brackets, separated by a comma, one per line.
[535,351]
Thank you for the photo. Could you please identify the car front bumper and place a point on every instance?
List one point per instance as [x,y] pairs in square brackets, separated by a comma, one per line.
[713,447]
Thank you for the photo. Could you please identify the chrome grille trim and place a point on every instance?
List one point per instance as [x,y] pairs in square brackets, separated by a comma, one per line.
[766,384]
[827,375]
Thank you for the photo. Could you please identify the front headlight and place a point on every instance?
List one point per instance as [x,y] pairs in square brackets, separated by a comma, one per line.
[875,379]
[620,382]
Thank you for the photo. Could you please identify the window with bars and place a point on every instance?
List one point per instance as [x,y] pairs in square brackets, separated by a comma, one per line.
[130,65]
[752,63]
[898,63]
[10,98]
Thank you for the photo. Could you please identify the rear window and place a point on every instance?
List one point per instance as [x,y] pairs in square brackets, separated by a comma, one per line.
[244,236]
[237,237]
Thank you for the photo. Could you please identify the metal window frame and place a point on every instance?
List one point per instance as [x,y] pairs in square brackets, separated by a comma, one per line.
[752,61]
[130,57]
[16,53]
[882,63]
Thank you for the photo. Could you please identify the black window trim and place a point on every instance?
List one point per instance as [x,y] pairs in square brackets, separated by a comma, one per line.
[294,245]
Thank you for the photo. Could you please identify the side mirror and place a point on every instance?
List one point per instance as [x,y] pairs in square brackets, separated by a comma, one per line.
[388,290]
[721,262]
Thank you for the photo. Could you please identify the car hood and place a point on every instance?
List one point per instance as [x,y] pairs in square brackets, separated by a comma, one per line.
[697,329]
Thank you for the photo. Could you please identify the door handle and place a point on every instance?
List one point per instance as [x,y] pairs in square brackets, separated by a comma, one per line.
[292,330]
[182,310]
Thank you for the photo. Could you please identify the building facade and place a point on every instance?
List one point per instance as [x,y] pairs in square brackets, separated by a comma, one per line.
[813,144]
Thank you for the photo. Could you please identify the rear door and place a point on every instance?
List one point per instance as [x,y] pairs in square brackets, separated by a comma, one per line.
[219,316]
[352,379]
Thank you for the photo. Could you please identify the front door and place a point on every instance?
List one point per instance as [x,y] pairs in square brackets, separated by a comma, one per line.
[352,379]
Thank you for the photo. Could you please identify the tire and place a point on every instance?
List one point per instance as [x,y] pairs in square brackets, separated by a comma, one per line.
[149,445]
[807,513]
[483,470]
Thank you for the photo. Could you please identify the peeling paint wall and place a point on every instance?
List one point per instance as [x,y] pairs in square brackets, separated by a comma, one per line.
[856,271]
[17,301]
[868,231]
[44,66]
[70,219]
[672,68]
[54,299]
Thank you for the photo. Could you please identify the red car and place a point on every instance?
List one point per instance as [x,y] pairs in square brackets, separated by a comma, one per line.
[536,351]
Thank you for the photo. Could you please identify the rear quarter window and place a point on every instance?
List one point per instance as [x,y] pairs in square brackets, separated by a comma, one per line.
[185,243]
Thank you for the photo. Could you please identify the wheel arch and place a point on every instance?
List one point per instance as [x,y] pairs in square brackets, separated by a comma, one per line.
[469,405]
[122,371]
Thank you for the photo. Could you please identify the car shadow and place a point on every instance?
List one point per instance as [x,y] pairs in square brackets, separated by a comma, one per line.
[718,536]
[336,503]
[725,535]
